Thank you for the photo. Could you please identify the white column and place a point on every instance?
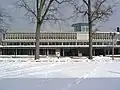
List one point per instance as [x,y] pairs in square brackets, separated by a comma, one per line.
[105,51]
[108,51]
[16,52]
[47,52]
[0,51]
[32,51]
[63,52]
[94,51]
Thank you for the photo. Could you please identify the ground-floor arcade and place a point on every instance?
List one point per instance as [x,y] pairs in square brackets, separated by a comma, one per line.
[43,51]
[74,51]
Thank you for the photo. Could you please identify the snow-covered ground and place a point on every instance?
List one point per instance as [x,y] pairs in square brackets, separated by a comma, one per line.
[59,74]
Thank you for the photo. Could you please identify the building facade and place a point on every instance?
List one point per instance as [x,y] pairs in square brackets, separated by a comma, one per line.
[66,44]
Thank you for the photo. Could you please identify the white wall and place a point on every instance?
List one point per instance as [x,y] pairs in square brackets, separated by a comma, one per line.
[82,36]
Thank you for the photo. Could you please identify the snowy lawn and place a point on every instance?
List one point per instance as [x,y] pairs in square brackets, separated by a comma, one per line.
[59,74]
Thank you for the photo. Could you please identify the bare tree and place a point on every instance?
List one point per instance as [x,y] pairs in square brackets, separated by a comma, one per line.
[95,11]
[4,18]
[43,10]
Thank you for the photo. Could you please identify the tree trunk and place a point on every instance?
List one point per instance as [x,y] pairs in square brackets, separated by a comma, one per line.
[90,29]
[37,40]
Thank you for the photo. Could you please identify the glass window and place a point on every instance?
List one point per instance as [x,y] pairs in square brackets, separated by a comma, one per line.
[94,43]
[85,43]
[58,43]
[79,43]
[51,43]
[72,43]
[99,43]
[65,43]
[106,43]
[44,43]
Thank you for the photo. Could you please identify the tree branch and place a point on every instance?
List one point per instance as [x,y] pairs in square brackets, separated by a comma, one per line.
[50,2]
[97,7]
[85,2]
[24,4]
[62,1]
[103,14]
[39,11]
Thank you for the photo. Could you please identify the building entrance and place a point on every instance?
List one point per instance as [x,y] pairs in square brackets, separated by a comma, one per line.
[70,52]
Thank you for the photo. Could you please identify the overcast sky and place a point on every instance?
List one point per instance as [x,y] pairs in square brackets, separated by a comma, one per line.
[20,24]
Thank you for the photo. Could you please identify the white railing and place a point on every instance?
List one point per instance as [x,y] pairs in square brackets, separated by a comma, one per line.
[58,46]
